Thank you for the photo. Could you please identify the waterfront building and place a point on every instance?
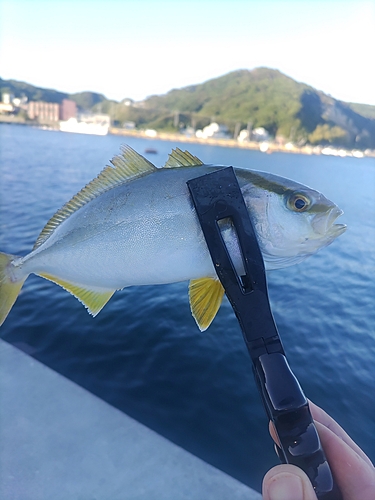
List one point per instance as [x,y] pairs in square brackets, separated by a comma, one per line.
[43,112]
[213,130]
[68,109]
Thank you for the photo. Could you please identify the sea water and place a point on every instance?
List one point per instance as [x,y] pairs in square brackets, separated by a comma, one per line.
[144,354]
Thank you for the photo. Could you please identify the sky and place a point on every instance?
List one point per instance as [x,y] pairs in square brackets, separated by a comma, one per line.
[137,48]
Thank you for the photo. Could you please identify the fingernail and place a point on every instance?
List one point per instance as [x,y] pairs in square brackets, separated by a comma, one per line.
[285,486]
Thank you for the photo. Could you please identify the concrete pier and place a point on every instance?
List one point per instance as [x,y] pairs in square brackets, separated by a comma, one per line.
[58,441]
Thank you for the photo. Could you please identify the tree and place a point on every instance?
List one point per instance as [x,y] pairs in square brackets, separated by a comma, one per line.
[325,134]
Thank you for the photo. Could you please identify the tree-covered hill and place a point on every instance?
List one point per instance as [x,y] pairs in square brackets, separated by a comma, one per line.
[363,109]
[262,97]
[19,89]
[84,100]
[268,98]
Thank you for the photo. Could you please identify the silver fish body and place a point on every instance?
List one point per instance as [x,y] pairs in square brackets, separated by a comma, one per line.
[139,233]
[136,225]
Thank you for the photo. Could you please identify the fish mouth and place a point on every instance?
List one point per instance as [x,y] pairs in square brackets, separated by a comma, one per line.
[337,229]
[323,224]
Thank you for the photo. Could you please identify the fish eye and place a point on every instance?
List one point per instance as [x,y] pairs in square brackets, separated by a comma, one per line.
[298,202]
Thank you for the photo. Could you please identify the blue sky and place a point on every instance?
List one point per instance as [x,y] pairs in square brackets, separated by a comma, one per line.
[136,48]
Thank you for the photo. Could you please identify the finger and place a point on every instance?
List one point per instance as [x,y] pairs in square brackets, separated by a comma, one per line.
[272,431]
[321,416]
[287,482]
[353,471]
[354,476]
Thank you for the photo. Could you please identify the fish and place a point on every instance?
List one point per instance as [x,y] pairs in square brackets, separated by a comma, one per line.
[135,224]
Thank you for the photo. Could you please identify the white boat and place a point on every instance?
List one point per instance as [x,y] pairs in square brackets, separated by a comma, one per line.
[92,124]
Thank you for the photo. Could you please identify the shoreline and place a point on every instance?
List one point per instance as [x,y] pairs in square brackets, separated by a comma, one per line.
[264,147]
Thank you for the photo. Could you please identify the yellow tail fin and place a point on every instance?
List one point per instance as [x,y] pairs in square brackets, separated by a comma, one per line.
[9,289]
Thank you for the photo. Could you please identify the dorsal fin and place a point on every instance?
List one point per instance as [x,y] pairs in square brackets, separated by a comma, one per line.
[126,167]
[180,158]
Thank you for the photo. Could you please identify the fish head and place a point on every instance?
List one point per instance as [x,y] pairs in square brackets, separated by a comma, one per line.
[292,221]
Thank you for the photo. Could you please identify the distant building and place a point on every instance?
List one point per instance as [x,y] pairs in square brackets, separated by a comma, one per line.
[43,112]
[243,136]
[129,125]
[127,102]
[260,134]
[6,105]
[7,98]
[6,108]
[68,109]
[213,130]
[10,104]
[150,132]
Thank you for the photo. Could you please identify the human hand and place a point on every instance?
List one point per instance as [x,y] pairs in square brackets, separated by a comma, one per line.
[352,469]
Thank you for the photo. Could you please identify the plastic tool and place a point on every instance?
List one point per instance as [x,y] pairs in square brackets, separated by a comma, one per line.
[219,204]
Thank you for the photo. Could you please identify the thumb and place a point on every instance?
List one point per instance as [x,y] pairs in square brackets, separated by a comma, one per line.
[287,482]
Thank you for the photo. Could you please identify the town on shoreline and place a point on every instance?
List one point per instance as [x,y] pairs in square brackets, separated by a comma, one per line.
[264,146]
[134,119]
[90,113]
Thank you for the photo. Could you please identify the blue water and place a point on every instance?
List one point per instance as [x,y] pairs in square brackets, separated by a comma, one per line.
[144,354]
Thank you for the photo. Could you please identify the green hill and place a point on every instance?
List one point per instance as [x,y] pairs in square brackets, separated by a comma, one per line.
[262,97]
[266,98]
[84,100]
[19,89]
[363,109]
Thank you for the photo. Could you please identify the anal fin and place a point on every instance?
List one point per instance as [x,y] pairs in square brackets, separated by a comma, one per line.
[205,295]
[93,299]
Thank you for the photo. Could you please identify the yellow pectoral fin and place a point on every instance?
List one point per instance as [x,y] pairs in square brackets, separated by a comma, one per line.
[93,299]
[205,295]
